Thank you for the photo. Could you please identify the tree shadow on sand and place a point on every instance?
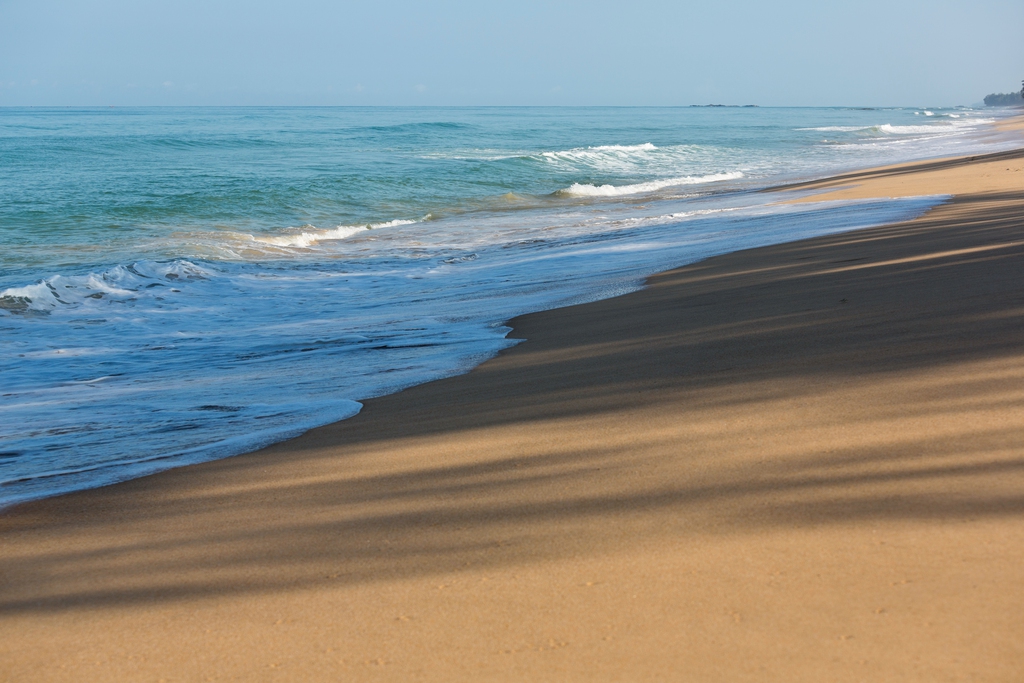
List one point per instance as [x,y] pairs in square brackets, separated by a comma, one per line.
[874,375]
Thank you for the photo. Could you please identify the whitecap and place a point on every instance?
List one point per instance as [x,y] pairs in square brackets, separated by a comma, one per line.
[584,152]
[603,157]
[587,190]
[120,283]
[311,237]
[838,129]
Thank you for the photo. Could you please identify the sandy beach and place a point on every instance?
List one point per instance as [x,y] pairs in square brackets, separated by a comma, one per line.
[796,463]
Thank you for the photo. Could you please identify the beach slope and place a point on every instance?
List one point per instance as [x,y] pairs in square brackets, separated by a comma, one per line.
[797,463]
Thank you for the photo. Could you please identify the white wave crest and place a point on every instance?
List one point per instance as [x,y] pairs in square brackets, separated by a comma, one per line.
[311,237]
[838,129]
[604,157]
[643,147]
[586,190]
[911,130]
[946,127]
[120,283]
[600,150]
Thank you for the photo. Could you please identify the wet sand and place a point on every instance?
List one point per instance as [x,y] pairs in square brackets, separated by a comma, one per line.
[796,463]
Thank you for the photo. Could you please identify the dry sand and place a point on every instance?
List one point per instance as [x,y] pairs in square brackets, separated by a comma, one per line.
[796,463]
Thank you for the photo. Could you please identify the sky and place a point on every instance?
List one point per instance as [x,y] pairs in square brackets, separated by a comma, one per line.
[398,52]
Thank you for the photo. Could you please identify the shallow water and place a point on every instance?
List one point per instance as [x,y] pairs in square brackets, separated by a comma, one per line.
[178,285]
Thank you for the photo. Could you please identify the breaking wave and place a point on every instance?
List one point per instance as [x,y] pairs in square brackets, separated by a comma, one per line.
[308,238]
[587,190]
[120,284]
[956,125]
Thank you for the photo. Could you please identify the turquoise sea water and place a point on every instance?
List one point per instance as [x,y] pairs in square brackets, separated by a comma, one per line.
[178,285]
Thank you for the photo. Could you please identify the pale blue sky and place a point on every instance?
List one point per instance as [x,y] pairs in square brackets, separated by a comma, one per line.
[398,52]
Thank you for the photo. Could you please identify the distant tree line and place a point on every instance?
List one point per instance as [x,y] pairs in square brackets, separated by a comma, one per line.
[1005,98]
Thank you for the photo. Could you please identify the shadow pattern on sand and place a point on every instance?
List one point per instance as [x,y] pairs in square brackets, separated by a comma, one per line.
[875,375]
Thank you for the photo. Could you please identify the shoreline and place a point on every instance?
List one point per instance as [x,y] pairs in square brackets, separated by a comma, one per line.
[805,453]
[979,173]
[827,188]
[202,438]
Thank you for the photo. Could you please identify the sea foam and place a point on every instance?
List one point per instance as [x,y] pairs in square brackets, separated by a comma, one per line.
[946,127]
[587,190]
[310,237]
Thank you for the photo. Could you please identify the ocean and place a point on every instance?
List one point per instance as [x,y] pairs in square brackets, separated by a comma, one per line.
[184,284]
